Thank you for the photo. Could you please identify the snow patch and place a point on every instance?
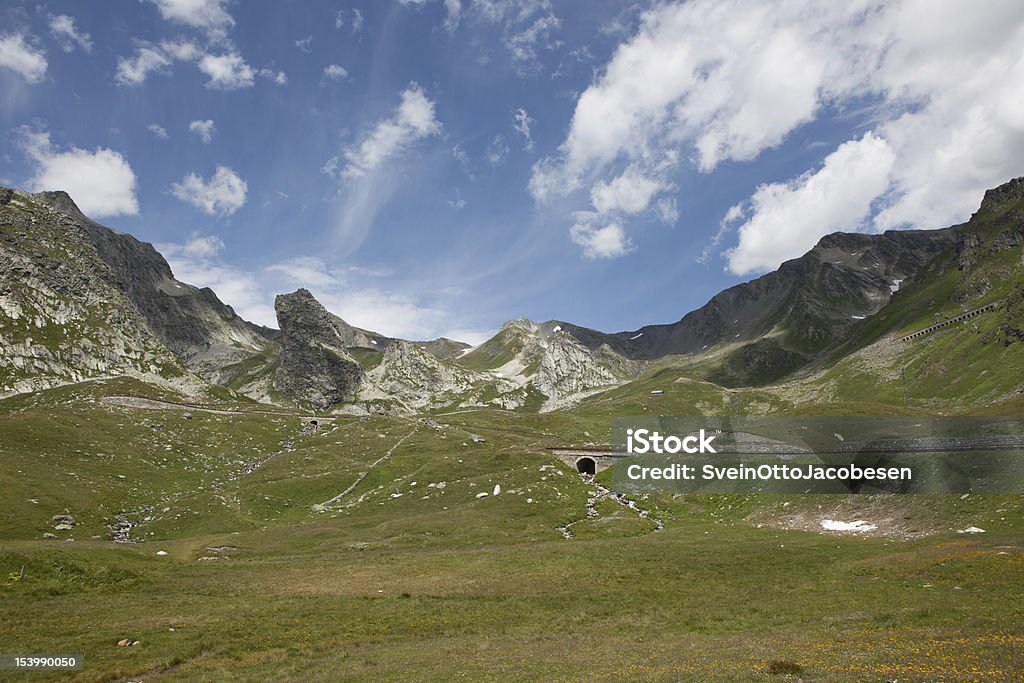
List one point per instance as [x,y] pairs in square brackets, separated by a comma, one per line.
[895,286]
[637,336]
[558,328]
[971,530]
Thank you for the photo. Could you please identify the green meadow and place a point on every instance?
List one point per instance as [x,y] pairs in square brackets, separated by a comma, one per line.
[236,572]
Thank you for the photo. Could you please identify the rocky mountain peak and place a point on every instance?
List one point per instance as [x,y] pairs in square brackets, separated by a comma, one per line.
[61,201]
[54,283]
[522,325]
[302,309]
[1007,193]
[300,316]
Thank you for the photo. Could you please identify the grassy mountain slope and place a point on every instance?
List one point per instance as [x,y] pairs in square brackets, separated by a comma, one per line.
[972,363]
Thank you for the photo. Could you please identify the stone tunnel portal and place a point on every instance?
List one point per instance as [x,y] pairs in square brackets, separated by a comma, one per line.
[586,466]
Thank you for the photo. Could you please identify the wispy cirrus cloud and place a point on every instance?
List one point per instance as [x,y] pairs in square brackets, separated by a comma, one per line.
[412,120]
[64,29]
[527,27]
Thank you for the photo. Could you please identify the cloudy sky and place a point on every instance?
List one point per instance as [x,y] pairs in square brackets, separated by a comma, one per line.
[435,167]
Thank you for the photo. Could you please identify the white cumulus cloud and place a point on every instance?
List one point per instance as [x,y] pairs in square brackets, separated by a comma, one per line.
[201,14]
[453,14]
[204,129]
[600,242]
[203,246]
[223,194]
[944,79]
[21,57]
[278,77]
[226,71]
[630,193]
[101,182]
[789,218]
[134,71]
[335,72]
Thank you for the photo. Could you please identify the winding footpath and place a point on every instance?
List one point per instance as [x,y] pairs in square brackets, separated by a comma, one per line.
[363,475]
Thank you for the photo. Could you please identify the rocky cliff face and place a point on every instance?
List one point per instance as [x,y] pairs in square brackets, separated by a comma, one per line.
[64,314]
[569,370]
[314,366]
[417,380]
[192,322]
[550,359]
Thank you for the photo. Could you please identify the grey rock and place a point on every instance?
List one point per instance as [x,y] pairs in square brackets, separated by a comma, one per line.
[544,357]
[192,322]
[416,379]
[313,366]
[66,318]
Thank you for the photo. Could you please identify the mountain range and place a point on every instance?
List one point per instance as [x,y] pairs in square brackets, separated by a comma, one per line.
[81,301]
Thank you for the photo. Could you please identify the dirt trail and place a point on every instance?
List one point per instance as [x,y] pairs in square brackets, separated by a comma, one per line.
[363,475]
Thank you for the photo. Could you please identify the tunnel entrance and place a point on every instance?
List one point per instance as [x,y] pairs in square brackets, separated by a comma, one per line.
[586,466]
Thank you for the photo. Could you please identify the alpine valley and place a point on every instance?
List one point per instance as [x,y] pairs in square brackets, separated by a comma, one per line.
[323,502]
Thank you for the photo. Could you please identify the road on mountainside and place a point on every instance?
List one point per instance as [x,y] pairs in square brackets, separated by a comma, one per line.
[150,404]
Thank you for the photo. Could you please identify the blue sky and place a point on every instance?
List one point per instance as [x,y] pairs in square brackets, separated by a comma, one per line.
[435,167]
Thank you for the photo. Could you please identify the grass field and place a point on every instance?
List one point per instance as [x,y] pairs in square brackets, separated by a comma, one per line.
[413,575]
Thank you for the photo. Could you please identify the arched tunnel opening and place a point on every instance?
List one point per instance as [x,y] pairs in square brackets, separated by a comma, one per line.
[586,466]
